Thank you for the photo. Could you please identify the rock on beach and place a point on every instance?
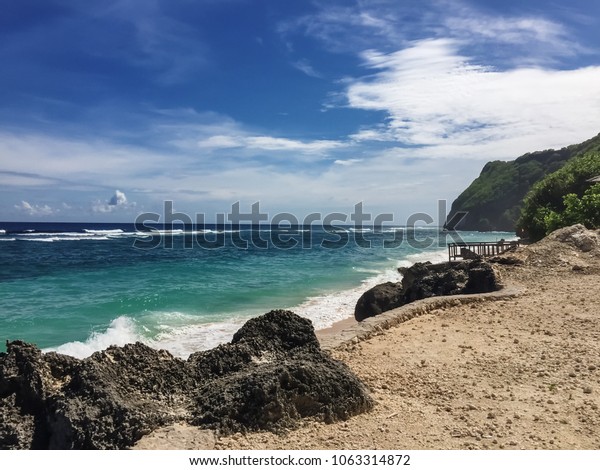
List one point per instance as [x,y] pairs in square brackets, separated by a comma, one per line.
[272,374]
[423,280]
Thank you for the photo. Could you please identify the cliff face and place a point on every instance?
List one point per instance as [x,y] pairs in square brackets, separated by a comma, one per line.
[493,200]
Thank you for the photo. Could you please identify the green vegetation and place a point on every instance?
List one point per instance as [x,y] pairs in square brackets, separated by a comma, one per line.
[494,199]
[563,198]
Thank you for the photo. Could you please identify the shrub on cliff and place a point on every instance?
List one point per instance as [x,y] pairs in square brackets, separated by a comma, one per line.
[563,198]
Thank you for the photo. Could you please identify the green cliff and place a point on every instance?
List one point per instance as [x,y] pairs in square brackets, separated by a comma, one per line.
[494,199]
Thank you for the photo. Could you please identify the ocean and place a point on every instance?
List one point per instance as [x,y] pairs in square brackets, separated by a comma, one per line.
[79,288]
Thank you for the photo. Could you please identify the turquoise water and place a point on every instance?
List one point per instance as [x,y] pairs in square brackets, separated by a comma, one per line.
[77,289]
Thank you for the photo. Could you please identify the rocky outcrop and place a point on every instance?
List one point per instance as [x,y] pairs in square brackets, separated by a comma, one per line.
[270,375]
[424,280]
[379,299]
[578,236]
[565,247]
[114,397]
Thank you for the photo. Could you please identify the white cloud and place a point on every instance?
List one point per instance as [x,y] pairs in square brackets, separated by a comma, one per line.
[378,133]
[388,24]
[305,67]
[437,98]
[346,28]
[220,142]
[278,143]
[82,160]
[515,30]
[527,38]
[35,209]
[117,201]
[268,143]
[350,161]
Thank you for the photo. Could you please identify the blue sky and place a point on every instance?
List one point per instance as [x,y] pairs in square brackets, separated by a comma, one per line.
[108,108]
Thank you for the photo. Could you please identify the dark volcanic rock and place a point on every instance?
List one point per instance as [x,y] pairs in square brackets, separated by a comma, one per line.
[275,395]
[16,431]
[116,396]
[106,401]
[282,376]
[482,278]
[379,299]
[270,375]
[424,280]
[275,335]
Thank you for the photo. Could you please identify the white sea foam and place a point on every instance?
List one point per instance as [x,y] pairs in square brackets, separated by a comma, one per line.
[208,230]
[103,232]
[2,232]
[122,330]
[7,239]
[87,234]
[167,232]
[366,270]
[182,334]
[61,238]
[327,309]
[182,341]
[431,256]
[52,234]
[65,235]
[126,235]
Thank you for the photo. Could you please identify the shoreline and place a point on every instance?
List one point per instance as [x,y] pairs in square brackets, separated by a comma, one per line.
[350,331]
[184,315]
[514,369]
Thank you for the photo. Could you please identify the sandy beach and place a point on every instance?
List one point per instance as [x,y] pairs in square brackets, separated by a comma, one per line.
[519,371]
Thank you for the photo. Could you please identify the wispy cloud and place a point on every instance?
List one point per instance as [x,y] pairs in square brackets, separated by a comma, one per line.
[305,67]
[350,161]
[336,26]
[267,143]
[387,25]
[24,179]
[437,98]
[519,40]
[36,210]
[87,162]
[291,145]
[516,30]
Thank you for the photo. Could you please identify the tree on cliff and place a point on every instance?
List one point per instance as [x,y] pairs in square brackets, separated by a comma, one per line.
[563,198]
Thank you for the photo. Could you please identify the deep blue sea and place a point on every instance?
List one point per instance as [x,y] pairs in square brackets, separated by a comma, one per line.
[78,288]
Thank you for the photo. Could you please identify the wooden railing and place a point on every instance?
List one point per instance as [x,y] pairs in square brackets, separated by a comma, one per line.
[474,250]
